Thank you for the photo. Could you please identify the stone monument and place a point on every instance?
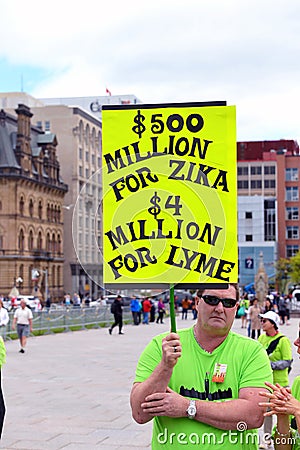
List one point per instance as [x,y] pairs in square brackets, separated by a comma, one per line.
[261,281]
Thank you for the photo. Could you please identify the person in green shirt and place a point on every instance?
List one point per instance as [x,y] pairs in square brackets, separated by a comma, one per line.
[201,385]
[285,403]
[280,355]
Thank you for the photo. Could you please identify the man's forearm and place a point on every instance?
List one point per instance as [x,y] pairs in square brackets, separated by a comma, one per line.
[157,382]
[227,415]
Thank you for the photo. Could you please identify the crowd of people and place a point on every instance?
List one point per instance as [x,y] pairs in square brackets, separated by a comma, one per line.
[249,311]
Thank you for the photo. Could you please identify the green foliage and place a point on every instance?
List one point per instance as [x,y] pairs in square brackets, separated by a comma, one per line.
[295,268]
[283,273]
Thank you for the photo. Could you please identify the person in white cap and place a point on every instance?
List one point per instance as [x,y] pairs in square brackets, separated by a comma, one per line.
[279,349]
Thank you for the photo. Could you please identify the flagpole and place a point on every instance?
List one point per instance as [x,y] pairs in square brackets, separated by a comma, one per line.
[172,310]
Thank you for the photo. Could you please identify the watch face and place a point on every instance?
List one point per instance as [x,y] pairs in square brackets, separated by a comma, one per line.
[192,410]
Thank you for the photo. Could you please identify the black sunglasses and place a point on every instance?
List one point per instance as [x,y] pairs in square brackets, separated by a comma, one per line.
[213,300]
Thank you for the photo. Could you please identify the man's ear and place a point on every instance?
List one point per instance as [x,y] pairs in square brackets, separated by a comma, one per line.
[197,300]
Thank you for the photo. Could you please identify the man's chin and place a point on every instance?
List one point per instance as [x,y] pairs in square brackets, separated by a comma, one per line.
[218,325]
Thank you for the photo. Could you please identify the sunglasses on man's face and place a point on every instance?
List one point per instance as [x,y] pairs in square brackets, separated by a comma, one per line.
[213,300]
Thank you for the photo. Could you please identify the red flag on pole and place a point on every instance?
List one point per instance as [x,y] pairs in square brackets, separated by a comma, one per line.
[108,91]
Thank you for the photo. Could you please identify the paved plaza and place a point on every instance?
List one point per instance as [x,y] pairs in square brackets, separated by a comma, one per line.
[70,391]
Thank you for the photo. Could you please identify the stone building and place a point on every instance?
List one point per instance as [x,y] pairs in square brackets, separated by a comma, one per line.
[79,153]
[31,216]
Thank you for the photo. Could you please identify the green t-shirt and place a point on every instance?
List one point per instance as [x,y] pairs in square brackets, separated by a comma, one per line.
[247,366]
[296,394]
[2,352]
[283,351]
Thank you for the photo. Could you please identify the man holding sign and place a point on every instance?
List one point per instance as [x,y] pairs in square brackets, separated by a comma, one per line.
[201,385]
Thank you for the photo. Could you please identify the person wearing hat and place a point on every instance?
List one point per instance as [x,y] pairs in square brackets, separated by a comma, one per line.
[279,349]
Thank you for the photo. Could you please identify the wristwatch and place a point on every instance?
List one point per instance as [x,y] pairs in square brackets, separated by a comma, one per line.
[192,410]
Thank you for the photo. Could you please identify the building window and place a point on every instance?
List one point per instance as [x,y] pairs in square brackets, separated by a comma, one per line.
[269,220]
[21,241]
[249,237]
[292,232]
[30,241]
[80,171]
[21,206]
[269,170]
[1,242]
[291,194]
[39,124]
[40,210]
[291,250]
[243,184]
[248,215]
[39,241]
[58,277]
[31,207]
[292,213]
[255,170]
[87,173]
[243,170]
[87,157]
[47,125]
[256,184]
[269,184]
[80,153]
[59,244]
[53,276]
[48,243]
[291,174]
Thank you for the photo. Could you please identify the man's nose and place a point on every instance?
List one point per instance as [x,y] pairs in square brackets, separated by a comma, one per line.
[219,307]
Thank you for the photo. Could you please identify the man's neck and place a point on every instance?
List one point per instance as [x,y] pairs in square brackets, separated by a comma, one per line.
[208,342]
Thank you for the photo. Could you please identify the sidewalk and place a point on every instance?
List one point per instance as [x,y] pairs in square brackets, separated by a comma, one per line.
[70,391]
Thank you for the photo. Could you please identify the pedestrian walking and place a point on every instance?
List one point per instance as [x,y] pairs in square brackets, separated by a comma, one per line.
[185,304]
[146,310]
[161,311]
[254,312]
[117,310]
[135,308]
[282,310]
[23,319]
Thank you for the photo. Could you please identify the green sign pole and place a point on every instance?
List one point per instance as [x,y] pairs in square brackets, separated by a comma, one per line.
[172,310]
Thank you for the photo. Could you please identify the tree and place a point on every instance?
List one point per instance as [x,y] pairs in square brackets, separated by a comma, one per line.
[283,272]
[295,268]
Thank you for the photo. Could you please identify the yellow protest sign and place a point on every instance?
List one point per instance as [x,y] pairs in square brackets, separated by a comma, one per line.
[169,194]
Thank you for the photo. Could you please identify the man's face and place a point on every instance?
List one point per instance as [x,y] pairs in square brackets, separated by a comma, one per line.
[23,304]
[216,319]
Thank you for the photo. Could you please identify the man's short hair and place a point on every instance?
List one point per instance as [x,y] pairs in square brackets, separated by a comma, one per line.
[235,285]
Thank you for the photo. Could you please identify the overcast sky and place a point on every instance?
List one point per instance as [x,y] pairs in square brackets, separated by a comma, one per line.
[244,52]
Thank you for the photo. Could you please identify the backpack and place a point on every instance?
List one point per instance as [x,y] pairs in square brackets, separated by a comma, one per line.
[271,347]
[113,308]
